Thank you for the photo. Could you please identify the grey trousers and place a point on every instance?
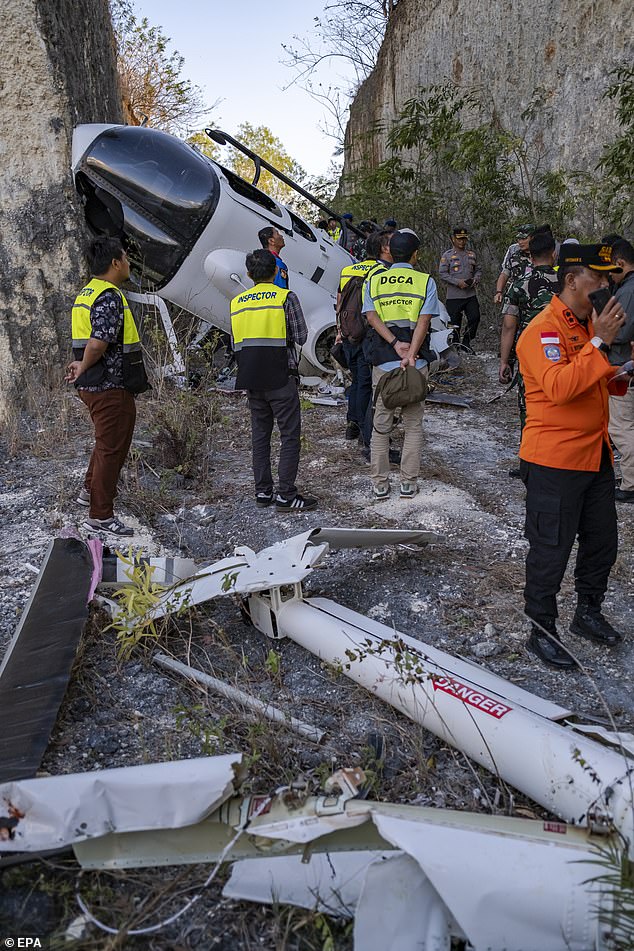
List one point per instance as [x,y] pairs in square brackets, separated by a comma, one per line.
[280,406]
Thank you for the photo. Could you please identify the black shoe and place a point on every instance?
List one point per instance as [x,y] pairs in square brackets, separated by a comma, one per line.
[262,499]
[395,457]
[352,430]
[549,649]
[515,474]
[589,622]
[298,504]
[624,495]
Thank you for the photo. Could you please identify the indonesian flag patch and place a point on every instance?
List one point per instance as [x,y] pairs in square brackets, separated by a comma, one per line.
[549,336]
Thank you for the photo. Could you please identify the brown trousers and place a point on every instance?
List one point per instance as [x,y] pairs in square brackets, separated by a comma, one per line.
[113,414]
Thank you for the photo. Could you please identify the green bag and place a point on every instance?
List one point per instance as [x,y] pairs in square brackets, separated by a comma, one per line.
[400,387]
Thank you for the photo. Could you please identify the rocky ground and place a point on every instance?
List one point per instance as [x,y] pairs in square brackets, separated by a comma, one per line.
[188,490]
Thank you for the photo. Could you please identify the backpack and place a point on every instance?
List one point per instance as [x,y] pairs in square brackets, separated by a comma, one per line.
[349,317]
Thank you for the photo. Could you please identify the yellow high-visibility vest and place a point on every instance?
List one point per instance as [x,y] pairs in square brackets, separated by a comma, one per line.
[258,318]
[398,295]
[82,327]
[360,269]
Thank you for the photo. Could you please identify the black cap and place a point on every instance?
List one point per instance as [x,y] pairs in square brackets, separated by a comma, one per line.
[524,231]
[404,243]
[390,223]
[597,257]
[460,233]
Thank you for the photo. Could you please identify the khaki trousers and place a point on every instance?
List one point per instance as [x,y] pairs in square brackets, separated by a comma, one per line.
[621,430]
[412,417]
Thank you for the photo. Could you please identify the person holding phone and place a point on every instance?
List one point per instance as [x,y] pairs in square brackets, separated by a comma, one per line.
[566,460]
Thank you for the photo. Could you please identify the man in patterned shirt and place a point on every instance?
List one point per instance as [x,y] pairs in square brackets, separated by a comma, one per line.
[107,371]
[525,298]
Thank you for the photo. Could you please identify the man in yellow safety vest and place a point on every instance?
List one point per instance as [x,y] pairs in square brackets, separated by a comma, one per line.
[266,324]
[107,372]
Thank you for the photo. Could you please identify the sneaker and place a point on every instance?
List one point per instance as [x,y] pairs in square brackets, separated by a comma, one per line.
[352,430]
[110,525]
[381,492]
[408,490]
[262,499]
[298,504]
[83,497]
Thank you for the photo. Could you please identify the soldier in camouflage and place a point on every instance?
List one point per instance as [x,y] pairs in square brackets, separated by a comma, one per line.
[515,264]
[525,298]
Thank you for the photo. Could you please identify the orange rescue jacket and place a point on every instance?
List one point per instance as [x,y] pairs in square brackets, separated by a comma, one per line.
[566,381]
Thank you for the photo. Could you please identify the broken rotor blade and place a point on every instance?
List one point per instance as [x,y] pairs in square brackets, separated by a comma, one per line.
[284,563]
[487,718]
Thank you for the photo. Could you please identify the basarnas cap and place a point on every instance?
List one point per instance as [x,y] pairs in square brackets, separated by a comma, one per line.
[460,233]
[524,231]
[597,257]
[404,242]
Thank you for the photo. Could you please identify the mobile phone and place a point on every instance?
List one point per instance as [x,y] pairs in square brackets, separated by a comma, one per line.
[600,298]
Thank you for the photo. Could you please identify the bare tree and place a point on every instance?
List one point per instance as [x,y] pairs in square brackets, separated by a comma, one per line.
[351,32]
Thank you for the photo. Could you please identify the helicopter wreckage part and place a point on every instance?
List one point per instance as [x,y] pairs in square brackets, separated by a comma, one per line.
[37,664]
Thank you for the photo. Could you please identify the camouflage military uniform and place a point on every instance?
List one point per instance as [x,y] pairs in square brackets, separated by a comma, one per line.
[516,263]
[525,298]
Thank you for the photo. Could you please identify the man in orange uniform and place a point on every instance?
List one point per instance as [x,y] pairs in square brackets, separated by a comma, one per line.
[566,461]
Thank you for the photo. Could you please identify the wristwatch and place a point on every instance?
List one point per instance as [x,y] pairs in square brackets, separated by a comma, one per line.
[600,344]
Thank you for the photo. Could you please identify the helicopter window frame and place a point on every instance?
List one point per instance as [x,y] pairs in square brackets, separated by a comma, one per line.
[301,227]
[246,190]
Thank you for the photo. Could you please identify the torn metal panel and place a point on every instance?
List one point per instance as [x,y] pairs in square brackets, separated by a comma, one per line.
[399,909]
[285,563]
[506,892]
[329,882]
[573,776]
[58,811]
[38,661]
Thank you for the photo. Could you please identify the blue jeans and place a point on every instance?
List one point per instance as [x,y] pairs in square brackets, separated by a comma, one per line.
[360,394]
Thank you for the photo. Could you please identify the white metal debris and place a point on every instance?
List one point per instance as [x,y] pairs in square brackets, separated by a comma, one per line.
[56,811]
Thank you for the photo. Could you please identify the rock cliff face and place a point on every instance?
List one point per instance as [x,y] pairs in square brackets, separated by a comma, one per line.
[512,53]
[58,69]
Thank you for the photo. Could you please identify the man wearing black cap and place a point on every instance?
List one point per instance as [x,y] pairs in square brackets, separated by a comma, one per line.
[516,261]
[565,455]
[459,270]
[399,305]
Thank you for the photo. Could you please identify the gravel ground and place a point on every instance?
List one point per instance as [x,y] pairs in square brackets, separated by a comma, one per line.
[462,594]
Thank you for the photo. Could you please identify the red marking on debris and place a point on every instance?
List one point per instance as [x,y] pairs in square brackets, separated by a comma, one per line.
[257,804]
[472,696]
[559,827]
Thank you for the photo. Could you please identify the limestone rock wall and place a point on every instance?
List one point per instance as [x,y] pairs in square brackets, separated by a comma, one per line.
[58,68]
[511,51]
